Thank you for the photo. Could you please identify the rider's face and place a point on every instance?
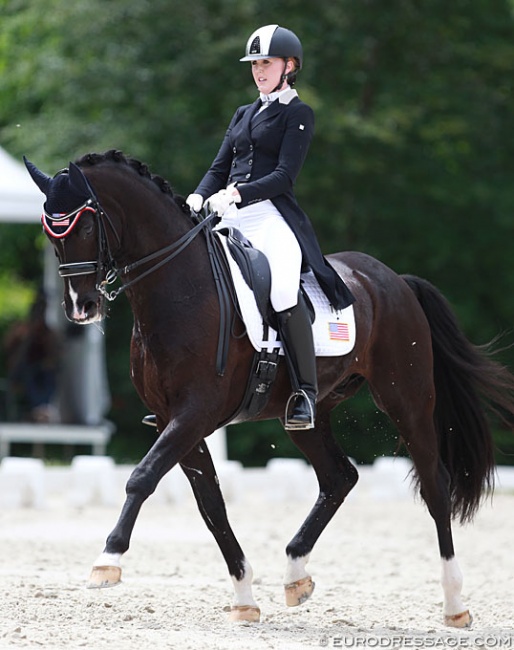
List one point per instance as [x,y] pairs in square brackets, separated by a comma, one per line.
[267,73]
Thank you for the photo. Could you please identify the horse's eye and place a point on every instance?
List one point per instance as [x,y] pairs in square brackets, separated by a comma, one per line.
[86,230]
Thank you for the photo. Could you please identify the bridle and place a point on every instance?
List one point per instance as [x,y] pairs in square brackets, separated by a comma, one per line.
[61,225]
[105,266]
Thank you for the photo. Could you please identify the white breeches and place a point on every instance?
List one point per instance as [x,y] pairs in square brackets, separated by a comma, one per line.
[263,225]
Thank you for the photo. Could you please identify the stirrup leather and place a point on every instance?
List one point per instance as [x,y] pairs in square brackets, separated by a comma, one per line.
[298,426]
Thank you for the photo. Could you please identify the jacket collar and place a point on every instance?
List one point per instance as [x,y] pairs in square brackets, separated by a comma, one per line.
[273,109]
[287,96]
[283,96]
[250,118]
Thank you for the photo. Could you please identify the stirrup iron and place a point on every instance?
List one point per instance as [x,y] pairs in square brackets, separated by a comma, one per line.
[298,426]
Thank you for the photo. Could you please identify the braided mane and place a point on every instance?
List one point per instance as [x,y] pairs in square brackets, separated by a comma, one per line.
[116,156]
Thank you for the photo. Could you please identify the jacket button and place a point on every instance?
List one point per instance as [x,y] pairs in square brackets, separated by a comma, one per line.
[250,162]
[251,147]
[247,175]
[233,163]
[234,150]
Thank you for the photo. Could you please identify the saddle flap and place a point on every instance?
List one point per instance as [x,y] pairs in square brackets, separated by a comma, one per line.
[255,269]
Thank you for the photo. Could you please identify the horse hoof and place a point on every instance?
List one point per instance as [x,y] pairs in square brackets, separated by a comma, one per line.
[104,576]
[244,613]
[464,619]
[298,592]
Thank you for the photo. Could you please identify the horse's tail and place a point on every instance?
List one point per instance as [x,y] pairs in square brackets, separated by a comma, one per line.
[468,382]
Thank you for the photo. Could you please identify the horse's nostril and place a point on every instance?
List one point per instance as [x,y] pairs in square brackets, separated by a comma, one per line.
[90,307]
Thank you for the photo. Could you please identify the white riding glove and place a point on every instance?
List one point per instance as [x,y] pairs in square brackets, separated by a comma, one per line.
[220,202]
[195,202]
[234,193]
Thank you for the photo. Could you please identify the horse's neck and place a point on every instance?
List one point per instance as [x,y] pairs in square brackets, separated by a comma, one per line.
[175,293]
[149,222]
[145,224]
[144,218]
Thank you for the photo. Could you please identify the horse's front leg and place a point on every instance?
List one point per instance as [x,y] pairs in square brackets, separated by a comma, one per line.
[199,469]
[173,445]
[336,477]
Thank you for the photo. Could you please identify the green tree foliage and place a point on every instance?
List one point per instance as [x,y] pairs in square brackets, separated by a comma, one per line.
[420,106]
[412,161]
[20,274]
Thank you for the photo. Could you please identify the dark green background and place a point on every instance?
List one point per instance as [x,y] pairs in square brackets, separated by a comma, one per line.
[412,160]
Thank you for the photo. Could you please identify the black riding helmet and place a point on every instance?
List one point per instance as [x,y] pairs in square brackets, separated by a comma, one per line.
[275,41]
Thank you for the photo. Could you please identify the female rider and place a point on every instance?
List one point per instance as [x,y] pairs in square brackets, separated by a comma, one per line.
[250,186]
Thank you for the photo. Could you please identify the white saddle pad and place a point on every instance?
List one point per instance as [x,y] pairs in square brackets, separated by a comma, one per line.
[334,331]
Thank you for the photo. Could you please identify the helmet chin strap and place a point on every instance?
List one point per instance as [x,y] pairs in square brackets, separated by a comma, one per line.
[283,77]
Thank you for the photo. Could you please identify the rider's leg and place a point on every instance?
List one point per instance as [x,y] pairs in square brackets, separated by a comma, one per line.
[279,244]
[296,334]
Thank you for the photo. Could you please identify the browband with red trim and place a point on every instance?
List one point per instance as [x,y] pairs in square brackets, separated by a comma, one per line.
[59,226]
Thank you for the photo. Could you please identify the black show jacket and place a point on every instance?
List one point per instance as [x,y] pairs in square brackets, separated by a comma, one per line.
[263,154]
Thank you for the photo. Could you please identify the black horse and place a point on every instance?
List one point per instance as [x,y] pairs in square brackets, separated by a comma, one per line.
[107,216]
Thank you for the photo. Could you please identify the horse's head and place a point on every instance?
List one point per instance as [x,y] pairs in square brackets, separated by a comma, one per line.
[73,221]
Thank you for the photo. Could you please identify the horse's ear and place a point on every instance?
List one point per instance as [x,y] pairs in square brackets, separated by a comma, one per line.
[78,181]
[39,178]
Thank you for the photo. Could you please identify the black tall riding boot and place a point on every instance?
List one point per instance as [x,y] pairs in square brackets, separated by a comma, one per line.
[296,335]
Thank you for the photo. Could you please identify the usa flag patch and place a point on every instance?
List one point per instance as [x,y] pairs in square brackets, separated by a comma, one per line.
[61,218]
[338,332]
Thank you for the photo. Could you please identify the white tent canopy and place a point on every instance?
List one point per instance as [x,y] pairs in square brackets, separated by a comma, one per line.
[20,200]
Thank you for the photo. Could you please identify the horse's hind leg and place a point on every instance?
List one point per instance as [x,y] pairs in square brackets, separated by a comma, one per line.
[199,469]
[410,407]
[434,488]
[336,477]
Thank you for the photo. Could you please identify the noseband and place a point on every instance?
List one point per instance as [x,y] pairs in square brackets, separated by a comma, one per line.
[60,226]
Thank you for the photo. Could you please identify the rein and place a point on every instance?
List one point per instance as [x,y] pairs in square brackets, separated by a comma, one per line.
[173,249]
[105,259]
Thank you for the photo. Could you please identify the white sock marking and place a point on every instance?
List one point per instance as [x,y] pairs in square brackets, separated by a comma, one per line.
[451,581]
[243,588]
[295,569]
[108,559]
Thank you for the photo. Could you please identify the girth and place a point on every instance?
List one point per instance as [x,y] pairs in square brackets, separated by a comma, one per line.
[255,269]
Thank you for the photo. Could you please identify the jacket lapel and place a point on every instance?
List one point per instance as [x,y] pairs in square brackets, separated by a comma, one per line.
[275,108]
[249,113]
[272,110]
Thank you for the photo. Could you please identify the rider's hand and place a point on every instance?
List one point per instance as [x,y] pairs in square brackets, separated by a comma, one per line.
[195,202]
[220,202]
